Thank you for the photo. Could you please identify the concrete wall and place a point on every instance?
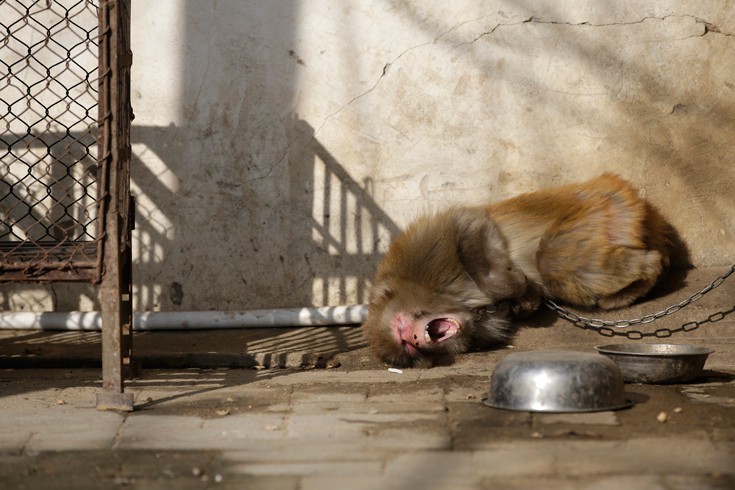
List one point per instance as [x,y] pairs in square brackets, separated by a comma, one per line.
[279,145]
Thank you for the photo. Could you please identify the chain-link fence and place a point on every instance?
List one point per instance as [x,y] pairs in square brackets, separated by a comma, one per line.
[49,79]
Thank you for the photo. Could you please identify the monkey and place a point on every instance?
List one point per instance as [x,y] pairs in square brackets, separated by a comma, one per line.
[457,279]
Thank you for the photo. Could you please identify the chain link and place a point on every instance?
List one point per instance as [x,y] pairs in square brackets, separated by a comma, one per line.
[482,311]
[607,328]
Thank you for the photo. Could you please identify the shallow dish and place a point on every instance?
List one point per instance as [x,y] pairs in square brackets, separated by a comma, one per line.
[556,381]
[657,363]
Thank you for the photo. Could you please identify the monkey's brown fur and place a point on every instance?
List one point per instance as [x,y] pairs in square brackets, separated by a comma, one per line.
[593,244]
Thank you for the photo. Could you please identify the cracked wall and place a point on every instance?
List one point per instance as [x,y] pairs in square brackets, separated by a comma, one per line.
[279,145]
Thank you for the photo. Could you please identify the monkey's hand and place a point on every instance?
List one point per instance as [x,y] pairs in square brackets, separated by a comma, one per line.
[527,303]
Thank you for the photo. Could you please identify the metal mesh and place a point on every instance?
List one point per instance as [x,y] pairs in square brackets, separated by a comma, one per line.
[48,134]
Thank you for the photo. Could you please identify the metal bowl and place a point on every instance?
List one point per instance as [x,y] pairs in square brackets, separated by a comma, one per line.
[657,363]
[556,381]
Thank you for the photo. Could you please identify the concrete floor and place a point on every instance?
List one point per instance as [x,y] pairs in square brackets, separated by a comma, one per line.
[309,408]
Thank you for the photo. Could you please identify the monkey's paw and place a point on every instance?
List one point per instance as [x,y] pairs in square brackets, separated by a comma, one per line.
[528,303]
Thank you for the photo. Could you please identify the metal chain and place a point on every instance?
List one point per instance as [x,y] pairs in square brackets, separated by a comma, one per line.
[481,311]
[606,327]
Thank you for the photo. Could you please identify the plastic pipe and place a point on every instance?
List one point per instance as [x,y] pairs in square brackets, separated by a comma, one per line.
[191,320]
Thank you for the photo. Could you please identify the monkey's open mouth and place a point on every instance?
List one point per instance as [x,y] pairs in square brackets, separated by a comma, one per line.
[441,329]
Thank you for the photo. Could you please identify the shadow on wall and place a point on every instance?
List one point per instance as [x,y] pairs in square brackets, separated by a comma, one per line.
[240,206]
[337,215]
[326,246]
[321,241]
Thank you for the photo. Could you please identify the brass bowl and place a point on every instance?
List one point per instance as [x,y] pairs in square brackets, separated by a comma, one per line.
[556,381]
[657,363]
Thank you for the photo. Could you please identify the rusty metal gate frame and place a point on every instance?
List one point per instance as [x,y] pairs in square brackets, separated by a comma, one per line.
[116,206]
[107,259]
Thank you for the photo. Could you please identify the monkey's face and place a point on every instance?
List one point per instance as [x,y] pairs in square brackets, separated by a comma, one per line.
[409,325]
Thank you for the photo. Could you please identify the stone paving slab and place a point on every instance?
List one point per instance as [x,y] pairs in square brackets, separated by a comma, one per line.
[318,440]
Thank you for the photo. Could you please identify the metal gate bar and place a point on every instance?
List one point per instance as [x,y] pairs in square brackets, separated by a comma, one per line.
[115,116]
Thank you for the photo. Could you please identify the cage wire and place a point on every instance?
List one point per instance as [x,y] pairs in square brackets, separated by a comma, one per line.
[49,193]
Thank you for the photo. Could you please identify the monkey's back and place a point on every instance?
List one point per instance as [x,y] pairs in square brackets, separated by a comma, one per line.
[595,243]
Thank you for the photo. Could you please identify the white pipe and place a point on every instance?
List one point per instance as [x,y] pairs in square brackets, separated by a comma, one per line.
[191,320]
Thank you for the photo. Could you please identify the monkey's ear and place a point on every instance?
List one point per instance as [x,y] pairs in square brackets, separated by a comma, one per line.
[473,248]
[483,252]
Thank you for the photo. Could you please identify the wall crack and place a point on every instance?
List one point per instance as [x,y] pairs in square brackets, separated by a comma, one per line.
[271,167]
[492,31]
[712,28]
[709,28]
[386,69]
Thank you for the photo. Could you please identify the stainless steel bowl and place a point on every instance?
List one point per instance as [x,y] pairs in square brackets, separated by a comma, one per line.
[556,381]
[657,363]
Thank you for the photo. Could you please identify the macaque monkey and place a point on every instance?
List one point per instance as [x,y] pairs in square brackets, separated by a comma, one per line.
[455,280]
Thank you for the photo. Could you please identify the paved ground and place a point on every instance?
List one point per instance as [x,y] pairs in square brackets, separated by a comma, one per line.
[310,409]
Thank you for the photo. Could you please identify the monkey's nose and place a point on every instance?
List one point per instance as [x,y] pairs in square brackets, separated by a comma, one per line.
[414,339]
